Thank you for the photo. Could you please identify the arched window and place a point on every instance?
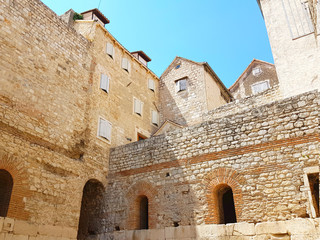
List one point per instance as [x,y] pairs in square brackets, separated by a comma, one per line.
[91,214]
[225,204]
[6,184]
[144,213]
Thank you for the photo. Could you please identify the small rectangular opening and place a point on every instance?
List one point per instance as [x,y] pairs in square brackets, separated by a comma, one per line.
[314,187]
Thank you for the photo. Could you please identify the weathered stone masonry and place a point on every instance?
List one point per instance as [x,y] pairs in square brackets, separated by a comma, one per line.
[261,157]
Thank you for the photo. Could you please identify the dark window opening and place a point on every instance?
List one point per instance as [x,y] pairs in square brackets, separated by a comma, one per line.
[141,137]
[144,213]
[6,184]
[314,187]
[226,207]
[175,224]
[91,211]
[167,174]
[117,228]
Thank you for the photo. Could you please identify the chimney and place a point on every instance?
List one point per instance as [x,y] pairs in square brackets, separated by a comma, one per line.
[95,14]
[142,57]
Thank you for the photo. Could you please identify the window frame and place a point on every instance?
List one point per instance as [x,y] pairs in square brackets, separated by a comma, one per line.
[157,121]
[153,87]
[112,55]
[107,89]
[134,106]
[109,124]
[260,82]
[125,64]
[178,84]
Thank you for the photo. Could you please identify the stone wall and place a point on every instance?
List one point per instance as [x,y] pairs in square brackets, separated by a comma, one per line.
[50,102]
[242,88]
[296,229]
[294,47]
[262,157]
[249,103]
[203,92]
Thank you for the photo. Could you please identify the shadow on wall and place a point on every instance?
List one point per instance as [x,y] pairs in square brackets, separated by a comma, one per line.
[169,108]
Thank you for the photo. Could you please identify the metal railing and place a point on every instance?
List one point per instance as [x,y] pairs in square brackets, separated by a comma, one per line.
[299,17]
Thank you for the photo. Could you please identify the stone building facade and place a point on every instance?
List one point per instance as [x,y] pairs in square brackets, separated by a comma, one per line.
[188,89]
[258,77]
[294,46]
[74,102]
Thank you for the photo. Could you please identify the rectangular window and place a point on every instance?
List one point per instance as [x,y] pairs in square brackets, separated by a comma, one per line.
[138,107]
[151,85]
[155,118]
[104,129]
[104,83]
[260,87]
[110,50]
[256,71]
[314,188]
[181,85]
[300,17]
[126,64]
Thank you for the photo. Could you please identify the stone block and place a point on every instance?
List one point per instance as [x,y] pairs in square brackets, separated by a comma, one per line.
[50,230]
[151,234]
[214,230]
[300,226]
[24,228]
[8,225]
[19,237]
[271,227]
[180,232]
[1,223]
[68,232]
[246,229]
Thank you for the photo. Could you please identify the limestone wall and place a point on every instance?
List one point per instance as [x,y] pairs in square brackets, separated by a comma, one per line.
[296,229]
[294,47]
[261,156]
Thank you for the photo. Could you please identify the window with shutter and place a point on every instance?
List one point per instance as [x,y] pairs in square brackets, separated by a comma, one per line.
[155,118]
[104,83]
[110,50]
[138,107]
[151,85]
[260,87]
[126,64]
[181,85]
[104,130]
[256,71]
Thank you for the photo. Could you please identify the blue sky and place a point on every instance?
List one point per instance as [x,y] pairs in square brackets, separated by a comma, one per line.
[227,35]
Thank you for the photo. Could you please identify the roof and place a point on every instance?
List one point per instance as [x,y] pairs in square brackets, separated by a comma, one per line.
[206,66]
[143,55]
[167,122]
[98,14]
[247,69]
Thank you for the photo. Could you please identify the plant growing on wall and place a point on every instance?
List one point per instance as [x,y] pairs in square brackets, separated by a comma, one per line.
[77,16]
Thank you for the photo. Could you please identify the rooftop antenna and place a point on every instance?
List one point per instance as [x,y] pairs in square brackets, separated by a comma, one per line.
[99,4]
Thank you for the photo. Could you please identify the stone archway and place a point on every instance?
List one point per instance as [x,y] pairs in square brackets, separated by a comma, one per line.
[218,183]
[91,213]
[6,185]
[139,192]
[20,187]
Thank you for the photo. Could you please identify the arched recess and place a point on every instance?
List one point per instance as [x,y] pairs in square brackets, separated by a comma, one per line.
[91,213]
[218,183]
[6,185]
[137,194]
[20,187]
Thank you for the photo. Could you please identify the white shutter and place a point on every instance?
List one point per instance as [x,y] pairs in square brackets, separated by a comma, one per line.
[183,84]
[137,106]
[129,66]
[104,82]
[260,87]
[105,129]
[110,50]
[155,117]
[151,84]
[125,64]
